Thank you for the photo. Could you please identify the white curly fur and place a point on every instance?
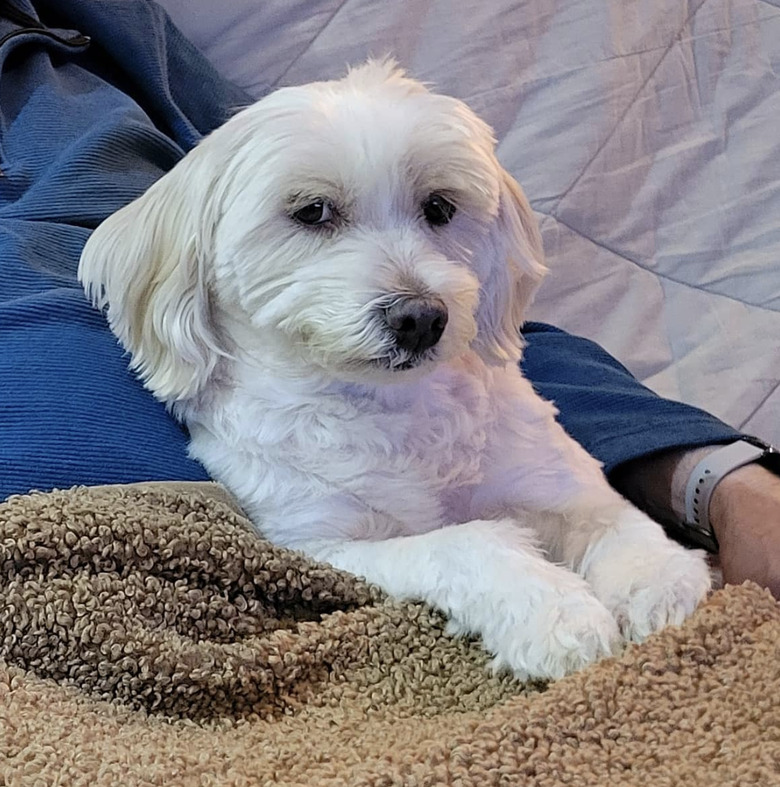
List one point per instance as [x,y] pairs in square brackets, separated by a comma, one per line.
[442,477]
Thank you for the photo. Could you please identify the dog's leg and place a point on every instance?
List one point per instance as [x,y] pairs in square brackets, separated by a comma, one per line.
[539,619]
[643,578]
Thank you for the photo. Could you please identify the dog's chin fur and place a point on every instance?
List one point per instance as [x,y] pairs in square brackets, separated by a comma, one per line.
[440,476]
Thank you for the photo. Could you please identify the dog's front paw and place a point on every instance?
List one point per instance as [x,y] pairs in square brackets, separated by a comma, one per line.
[560,635]
[647,587]
[566,636]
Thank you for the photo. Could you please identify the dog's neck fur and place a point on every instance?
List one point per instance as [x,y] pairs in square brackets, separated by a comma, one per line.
[266,383]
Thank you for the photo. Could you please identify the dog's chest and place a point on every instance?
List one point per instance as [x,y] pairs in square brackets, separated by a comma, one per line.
[437,433]
[397,447]
[411,455]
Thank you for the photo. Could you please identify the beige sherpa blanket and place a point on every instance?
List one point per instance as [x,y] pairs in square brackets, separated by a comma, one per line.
[149,637]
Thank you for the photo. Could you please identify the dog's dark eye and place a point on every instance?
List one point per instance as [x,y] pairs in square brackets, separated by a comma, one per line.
[438,210]
[315,213]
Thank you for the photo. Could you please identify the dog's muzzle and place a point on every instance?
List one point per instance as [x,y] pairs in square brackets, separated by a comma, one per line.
[416,323]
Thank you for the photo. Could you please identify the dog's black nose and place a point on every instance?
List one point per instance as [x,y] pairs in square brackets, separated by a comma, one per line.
[417,323]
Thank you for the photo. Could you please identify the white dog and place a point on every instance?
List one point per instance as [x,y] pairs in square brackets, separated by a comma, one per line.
[328,290]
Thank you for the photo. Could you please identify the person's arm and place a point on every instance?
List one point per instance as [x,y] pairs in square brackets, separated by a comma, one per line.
[744,510]
[745,514]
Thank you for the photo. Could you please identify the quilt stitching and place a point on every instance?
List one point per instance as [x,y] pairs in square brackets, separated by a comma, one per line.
[675,40]
[764,400]
[496,93]
[311,42]
[658,274]
[759,406]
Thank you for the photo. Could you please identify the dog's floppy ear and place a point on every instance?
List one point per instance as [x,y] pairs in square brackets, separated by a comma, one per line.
[516,268]
[147,264]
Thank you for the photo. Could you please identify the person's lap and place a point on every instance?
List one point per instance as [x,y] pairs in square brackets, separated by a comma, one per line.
[76,147]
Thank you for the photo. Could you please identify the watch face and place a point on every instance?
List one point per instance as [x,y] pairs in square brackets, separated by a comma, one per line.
[771,456]
[770,460]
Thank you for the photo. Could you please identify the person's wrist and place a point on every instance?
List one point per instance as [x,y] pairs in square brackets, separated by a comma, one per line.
[657,483]
[745,485]
[745,515]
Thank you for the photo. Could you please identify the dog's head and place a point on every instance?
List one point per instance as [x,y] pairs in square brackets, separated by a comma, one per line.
[363,227]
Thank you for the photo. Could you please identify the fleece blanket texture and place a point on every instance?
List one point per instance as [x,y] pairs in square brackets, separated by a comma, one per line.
[151,637]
